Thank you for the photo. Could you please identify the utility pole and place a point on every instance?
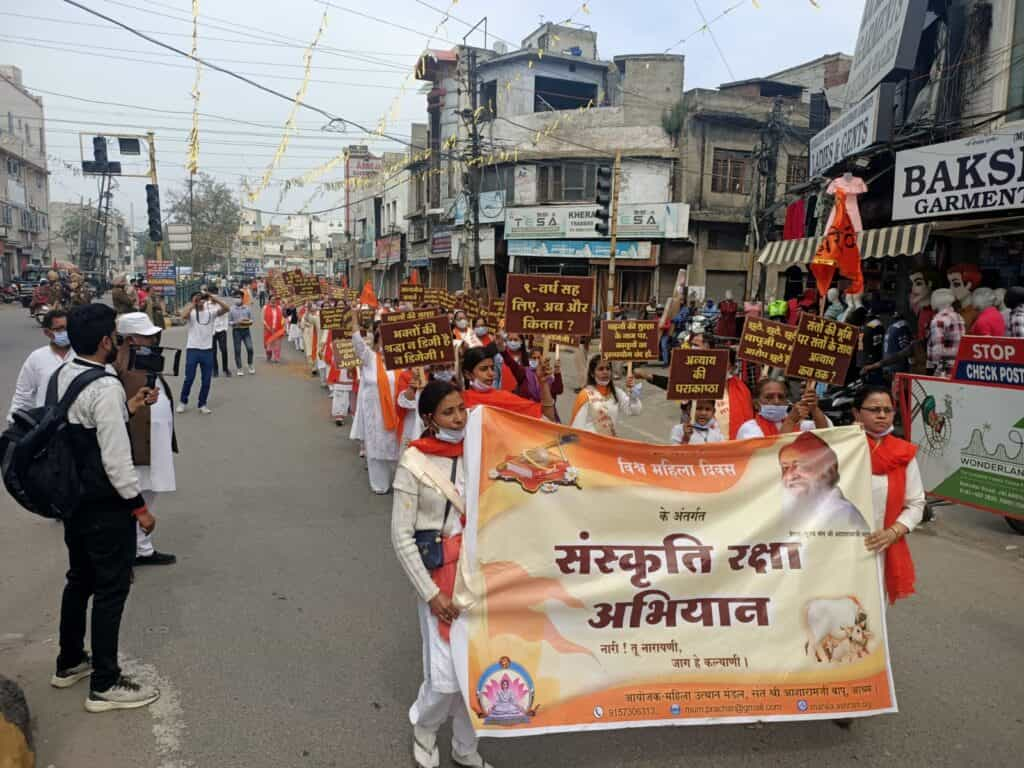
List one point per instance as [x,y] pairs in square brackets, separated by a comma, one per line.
[312,266]
[770,139]
[616,179]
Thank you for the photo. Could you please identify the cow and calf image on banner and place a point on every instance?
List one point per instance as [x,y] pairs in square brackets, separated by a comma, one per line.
[613,584]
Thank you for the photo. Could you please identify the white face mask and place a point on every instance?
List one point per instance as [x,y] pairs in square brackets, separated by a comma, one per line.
[774,413]
[880,435]
[481,331]
[462,324]
[450,435]
[534,364]
[479,386]
[603,379]
[443,375]
[515,346]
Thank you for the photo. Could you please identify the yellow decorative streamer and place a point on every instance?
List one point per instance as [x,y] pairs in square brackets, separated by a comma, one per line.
[289,125]
[192,161]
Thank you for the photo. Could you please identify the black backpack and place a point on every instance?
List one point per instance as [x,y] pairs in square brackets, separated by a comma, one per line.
[37,456]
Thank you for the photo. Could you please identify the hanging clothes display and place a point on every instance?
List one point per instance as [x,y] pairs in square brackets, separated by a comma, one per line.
[794,226]
[852,186]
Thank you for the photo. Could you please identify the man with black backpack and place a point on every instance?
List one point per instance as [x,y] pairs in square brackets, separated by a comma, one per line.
[100,534]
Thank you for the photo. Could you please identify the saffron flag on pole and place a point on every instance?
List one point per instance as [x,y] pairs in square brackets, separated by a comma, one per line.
[838,250]
[368,297]
[607,583]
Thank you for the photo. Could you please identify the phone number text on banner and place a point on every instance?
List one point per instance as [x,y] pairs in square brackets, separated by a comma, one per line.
[615,584]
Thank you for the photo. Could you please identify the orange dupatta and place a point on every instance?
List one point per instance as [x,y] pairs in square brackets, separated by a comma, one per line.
[890,457]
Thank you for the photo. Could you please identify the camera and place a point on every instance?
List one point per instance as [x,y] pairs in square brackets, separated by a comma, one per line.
[151,361]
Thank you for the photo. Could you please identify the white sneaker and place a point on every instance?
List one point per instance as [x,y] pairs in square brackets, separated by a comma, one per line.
[240,372]
[205,410]
[65,678]
[181,408]
[251,369]
[124,694]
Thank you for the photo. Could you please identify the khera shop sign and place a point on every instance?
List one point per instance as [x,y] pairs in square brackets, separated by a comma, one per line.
[974,175]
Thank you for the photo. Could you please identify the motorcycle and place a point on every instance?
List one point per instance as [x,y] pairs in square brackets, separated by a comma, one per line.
[838,405]
[9,294]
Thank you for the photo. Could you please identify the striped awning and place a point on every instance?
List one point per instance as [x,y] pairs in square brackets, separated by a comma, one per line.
[904,240]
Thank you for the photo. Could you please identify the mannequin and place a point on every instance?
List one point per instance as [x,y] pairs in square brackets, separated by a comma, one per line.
[947,328]
[727,309]
[836,308]
[855,301]
[990,320]
[963,279]
[921,301]
[1001,305]
[852,186]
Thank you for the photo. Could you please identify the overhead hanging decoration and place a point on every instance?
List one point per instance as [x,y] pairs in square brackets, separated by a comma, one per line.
[192,161]
[289,126]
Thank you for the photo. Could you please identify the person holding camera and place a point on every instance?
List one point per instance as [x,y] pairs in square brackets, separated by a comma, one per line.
[200,313]
[100,536]
[151,429]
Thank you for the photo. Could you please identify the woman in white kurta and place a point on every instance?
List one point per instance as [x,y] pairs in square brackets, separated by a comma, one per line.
[897,493]
[429,481]
[379,443]
[601,405]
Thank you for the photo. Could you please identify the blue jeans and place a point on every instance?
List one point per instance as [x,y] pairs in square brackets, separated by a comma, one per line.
[667,344]
[203,358]
[242,336]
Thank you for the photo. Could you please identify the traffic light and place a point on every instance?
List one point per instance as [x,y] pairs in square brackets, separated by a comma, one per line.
[156,230]
[99,152]
[604,200]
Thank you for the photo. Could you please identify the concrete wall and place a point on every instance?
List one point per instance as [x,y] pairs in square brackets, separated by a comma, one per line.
[645,181]
[647,85]
[828,74]
[515,81]
[567,37]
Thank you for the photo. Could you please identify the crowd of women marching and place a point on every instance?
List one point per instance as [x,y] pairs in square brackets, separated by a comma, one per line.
[410,425]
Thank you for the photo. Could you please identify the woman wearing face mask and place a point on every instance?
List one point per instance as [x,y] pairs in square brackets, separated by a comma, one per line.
[478,370]
[519,374]
[897,492]
[429,504]
[482,332]
[600,404]
[378,423]
[462,332]
[775,416]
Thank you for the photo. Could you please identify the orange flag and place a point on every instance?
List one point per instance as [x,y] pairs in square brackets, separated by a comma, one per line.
[368,297]
[344,281]
[414,278]
[838,249]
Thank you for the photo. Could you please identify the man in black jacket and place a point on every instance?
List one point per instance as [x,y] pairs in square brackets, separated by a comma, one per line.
[100,537]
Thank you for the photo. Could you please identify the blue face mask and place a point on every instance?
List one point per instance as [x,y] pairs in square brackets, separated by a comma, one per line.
[61,339]
[443,375]
[450,435]
[515,346]
[774,413]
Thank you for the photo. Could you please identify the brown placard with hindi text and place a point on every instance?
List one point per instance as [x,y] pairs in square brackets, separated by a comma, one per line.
[698,374]
[438,297]
[766,342]
[630,340]
[413,294]
[412,343]
[345,353]
[301,286]
[823,349]
[427,313]
[549,305]
[335,318]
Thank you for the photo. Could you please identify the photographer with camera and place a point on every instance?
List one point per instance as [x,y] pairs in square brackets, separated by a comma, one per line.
[200,313]
[140,364]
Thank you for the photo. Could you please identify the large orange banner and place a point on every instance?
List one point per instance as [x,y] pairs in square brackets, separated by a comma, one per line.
[614,584]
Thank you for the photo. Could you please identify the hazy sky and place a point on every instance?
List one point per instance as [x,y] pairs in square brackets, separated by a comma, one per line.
[357,70]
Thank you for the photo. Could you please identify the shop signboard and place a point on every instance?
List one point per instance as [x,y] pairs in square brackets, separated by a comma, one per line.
[441,243]
[579,249]
[160,272]
[887,42]
[641,220]
[418,255]
[388,251]
[250,267]
[865,123]
[492,208]
[970,440]
[978,174]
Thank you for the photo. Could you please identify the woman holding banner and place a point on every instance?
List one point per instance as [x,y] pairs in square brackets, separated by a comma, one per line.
[377,423]
[429,508]
[897,492]
[600,405]
[775,416]
[478,370]
[461,330]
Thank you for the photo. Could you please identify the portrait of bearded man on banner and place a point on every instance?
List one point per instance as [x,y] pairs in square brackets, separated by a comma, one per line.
[811,498]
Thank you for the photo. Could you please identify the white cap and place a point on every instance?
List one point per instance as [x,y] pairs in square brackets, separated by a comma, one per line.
[136,324]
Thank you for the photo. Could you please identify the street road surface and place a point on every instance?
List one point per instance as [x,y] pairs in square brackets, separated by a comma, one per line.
[286,635]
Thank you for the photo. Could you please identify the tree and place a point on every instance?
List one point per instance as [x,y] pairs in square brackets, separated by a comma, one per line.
[215,216]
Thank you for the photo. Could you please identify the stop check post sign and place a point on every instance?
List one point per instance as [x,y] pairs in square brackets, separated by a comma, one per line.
[991,360]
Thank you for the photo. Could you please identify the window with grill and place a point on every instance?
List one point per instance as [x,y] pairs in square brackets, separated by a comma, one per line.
[566,182]
[796,171]
[730,172]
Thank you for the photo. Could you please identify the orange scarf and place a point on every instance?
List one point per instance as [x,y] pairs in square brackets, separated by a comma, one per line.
[388,409]
[769,428]
[890,458]
[741,405]
[499,398]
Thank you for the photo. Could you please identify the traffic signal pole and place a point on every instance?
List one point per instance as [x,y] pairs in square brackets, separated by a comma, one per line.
[153,180]
[614,224]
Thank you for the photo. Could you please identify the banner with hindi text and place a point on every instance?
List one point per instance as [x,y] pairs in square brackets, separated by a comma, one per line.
[608,583]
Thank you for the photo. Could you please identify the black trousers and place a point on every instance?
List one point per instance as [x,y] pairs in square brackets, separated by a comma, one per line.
[101,550]
[220,343]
